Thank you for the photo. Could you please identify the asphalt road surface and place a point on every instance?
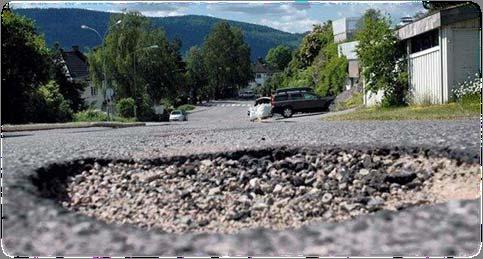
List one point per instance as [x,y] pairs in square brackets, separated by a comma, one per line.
[39,226]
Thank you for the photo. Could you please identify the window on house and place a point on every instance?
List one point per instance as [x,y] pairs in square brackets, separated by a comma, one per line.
[425,41]
[259,75]
[93,91]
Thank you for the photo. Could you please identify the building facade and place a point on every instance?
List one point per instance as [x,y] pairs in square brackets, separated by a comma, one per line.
[444,50]
[344,29]
[76,69]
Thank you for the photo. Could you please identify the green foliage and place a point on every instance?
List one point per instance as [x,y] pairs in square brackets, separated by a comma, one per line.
[279,57]
[91,115]
[51,105]
[332,73]
[25,66]
[379,54]
[139,59]
[312,43]
[196,78]
[191,29]
[125,107]
[273,83]
[186,107]
[471,102]
[317,64]
[227,59]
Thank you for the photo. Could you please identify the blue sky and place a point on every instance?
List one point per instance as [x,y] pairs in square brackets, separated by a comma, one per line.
[294,16]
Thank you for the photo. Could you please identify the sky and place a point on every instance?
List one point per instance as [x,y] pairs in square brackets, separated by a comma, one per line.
[289,16]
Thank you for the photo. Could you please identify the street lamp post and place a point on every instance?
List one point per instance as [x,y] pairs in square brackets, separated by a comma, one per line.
[134,74]
[104,82]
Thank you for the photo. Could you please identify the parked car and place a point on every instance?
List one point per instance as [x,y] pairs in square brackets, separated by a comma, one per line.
[247,94]
[178,115]
[301,89]
[258,101]
[292,101]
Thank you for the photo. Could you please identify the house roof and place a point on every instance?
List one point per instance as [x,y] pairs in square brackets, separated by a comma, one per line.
[441,18]
[76,63]
[260,67]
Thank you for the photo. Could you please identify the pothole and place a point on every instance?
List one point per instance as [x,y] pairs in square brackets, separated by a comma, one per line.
[272,188]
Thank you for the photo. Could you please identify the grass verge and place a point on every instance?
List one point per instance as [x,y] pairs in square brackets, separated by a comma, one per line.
[186,107]
[432,112]
[94,116]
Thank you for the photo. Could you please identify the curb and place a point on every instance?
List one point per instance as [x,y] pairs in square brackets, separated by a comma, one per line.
[71,125]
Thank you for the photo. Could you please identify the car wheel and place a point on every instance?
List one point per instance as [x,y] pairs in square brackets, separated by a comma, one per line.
[287,112]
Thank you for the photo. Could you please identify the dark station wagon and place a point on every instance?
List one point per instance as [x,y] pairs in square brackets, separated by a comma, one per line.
[293,100]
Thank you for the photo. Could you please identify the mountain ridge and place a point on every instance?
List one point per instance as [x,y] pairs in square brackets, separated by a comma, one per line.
[62,25]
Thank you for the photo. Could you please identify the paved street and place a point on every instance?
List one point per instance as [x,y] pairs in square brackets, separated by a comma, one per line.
[39,226]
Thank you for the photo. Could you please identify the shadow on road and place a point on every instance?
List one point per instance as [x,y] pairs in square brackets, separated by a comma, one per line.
[301,115]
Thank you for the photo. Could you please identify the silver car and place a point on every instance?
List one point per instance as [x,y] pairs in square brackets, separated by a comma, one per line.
[178,115]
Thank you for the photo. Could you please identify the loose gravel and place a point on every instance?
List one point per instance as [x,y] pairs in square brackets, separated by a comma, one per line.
[275,188]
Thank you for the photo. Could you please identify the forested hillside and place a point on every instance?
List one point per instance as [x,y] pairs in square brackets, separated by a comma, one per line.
[63,26]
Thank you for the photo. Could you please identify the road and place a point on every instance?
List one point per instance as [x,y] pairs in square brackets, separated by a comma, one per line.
[39,226]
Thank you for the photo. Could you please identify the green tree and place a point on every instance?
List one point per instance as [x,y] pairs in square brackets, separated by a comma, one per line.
[331,72]
[379,54]
[279,57]
[25,66]
[139,61]
[227,60]
[317,64]
[312,43]
[50,104]
[196,74]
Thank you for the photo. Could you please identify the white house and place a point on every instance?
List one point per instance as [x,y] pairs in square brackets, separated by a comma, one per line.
[262,72]
[76,69]
[348,49]
[443,50]
[344,28]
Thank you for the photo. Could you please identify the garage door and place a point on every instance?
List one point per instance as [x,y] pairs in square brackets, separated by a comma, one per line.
[466,58]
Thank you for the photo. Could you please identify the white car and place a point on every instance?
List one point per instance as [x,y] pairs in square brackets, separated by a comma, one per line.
[178,115]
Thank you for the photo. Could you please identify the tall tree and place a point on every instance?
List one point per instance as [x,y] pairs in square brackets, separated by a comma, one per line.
[279,57]
[196,74]
[138,59]
[25,66]
[379,54]
[227,59]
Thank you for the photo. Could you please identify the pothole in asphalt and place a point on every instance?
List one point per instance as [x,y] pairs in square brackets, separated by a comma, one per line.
[273,188]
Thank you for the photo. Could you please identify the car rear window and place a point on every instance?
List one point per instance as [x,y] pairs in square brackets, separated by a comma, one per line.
[176,112]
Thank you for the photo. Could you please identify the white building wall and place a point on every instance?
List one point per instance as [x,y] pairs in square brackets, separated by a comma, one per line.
[348,49]
[90,100]
[425,76]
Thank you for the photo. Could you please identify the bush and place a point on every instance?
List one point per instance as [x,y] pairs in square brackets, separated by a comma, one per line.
[48,105]
[469,87]
[92,115]
[125,107]
[186,107]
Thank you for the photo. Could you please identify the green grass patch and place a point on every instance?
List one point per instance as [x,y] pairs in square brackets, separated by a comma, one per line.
[95,115]
[464,109]
[186,107]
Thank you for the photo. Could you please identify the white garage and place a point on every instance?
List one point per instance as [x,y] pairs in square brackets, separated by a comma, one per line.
[443,50]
